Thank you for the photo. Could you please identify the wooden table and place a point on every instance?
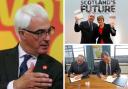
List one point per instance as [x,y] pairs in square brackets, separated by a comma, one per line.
[95,83]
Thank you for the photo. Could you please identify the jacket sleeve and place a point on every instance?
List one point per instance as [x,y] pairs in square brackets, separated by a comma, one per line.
[100,68]
[112,31]
[3,82]
[71,69]
[58,82]
[77,27]
[96,33]
[86,70]
[118,70]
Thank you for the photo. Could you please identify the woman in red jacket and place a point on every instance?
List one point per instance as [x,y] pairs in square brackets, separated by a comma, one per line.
[104,31]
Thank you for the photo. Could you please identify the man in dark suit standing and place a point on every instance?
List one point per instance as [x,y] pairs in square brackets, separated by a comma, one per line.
[88,29]
[79,67]
[108,66]
[27,66]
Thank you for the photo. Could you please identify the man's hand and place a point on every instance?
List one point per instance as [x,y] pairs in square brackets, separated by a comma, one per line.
[80,75]
[114,75]
[72,75]
[103,77]
[112,25]
[31,80]
[77,19]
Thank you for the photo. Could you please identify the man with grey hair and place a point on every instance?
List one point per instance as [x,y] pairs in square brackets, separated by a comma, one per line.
[88,29]
[27,66]
[108,66]
[79,67]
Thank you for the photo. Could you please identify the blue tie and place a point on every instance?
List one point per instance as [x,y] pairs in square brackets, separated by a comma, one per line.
[109,71]
[23,67]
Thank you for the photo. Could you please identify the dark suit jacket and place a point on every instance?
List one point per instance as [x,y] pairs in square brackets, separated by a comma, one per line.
[87,36]
[115,68]
[79,69]
[107,30]
[9,68]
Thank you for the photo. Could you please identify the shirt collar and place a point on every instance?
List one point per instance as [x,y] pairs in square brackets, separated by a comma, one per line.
[22,52]
[89,22]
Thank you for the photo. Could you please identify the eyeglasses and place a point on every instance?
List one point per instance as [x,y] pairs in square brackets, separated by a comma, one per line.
[42,32]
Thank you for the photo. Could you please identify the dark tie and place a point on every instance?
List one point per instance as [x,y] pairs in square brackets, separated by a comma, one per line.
[91,26]
[78,69]
[109,71]
[23,67]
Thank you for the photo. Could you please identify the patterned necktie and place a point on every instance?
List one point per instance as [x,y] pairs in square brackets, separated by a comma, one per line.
[23,67]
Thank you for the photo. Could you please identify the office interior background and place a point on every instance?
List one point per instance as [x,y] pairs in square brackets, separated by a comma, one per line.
[92,55]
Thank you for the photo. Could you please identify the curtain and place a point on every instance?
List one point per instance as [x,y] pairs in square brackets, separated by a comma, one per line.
[106,48]
[90,57]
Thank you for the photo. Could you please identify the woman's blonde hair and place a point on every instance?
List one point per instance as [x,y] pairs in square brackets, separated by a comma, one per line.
[100,17]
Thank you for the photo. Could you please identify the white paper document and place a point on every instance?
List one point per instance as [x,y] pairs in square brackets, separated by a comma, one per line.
[74,79]
[110,79]
[78,14]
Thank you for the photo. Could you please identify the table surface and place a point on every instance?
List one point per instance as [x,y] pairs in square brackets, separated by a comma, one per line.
[95,83]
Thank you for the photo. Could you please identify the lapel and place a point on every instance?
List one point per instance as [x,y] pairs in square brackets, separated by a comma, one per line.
[112,64]
[42,64]
[11,63]
[88,24]
[105,29]
[104,66]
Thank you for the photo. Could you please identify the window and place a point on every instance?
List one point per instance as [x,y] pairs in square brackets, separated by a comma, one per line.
[69,57]
[97,50]
[121,53]
[78,50]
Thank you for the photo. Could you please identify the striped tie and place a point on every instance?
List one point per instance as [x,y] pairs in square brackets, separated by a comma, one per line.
[23,67]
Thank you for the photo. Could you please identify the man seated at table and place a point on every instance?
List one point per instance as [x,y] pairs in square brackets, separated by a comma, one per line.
[108,66]
[79,67]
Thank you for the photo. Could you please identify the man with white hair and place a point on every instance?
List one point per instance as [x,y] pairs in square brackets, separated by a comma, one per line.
[27,66]
[88,29]
[79,67]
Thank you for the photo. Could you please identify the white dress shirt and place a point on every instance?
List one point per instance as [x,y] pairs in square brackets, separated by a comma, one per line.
[32,60]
